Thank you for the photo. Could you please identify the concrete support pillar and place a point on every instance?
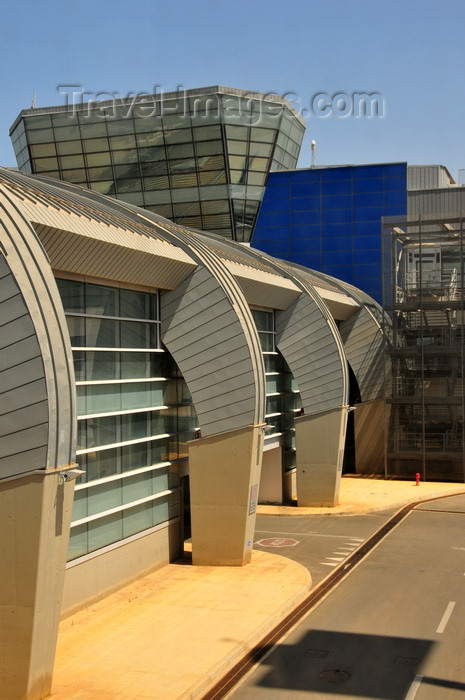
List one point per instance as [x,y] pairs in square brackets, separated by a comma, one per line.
[224,481]
[320,439]
[35,514]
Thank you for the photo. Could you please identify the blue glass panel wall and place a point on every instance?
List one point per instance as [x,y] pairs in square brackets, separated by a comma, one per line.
[329,219]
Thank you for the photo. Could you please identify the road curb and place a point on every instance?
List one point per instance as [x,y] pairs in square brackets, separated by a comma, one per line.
[232,676]
[245,648]
[295,511]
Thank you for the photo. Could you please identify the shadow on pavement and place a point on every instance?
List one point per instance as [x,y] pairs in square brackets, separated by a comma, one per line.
[341,663]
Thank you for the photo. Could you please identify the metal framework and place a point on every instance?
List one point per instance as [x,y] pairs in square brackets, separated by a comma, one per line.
[423,290]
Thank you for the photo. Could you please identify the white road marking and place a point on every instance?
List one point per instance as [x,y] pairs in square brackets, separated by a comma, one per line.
[327,563]
[414,688]
[336,558]
[445,618]
[461,548]
[312,534]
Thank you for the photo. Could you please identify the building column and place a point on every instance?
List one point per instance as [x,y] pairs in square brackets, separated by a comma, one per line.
[320,439]
[224,481]
[35,515]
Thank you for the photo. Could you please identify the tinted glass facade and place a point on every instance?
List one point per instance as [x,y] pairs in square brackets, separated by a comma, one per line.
[199,158]
[329,219]
[135,415]
[283,402]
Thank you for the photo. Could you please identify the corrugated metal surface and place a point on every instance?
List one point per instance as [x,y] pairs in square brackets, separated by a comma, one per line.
[307,335]
[126,237]
[87,255]
[308,338]
[311,276]
[38,404]
[266,295]
[263,288]
[257,259]
[81,245]
[423,177]
[363,344]
[73,208]
[235,253]
[218,352]
[206,321]
[341,306]
[204,333]
[23,395]
[363,340]
[307,343]
[63,197]
[450,200]
[242,401]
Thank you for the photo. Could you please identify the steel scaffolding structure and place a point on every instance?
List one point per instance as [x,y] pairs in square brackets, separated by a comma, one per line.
[423,293]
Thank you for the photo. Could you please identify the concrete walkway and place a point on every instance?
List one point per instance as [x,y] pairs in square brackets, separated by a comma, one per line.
[359,495]
[174,633]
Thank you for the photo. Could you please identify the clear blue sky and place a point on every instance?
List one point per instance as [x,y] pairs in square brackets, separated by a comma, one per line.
[412,53]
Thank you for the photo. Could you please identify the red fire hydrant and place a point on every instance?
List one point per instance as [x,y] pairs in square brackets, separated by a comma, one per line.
[417,478]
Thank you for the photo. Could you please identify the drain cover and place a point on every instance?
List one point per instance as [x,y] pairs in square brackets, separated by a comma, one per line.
[335,676]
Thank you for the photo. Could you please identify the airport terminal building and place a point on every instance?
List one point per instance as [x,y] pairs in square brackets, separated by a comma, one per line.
[159,382]
[198,157]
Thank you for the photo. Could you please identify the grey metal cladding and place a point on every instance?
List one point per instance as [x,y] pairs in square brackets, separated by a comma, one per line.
[95,235]
[25,416]
[363,344]
[362,335]
[36,376]
[259,293]
[238,335]
[422,177]
[23,412]
[306,341]
[193,336]
[447,200]
[114,259]
[204,332]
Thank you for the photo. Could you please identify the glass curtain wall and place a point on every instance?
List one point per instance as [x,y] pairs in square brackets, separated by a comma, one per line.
[283,400]
[135,415]
[199,160]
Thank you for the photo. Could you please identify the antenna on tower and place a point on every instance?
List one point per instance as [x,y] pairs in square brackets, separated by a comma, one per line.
[313,153]
[33,101]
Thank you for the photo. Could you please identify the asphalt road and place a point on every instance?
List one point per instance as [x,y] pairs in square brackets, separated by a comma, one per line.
[322,542]
[394,628]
